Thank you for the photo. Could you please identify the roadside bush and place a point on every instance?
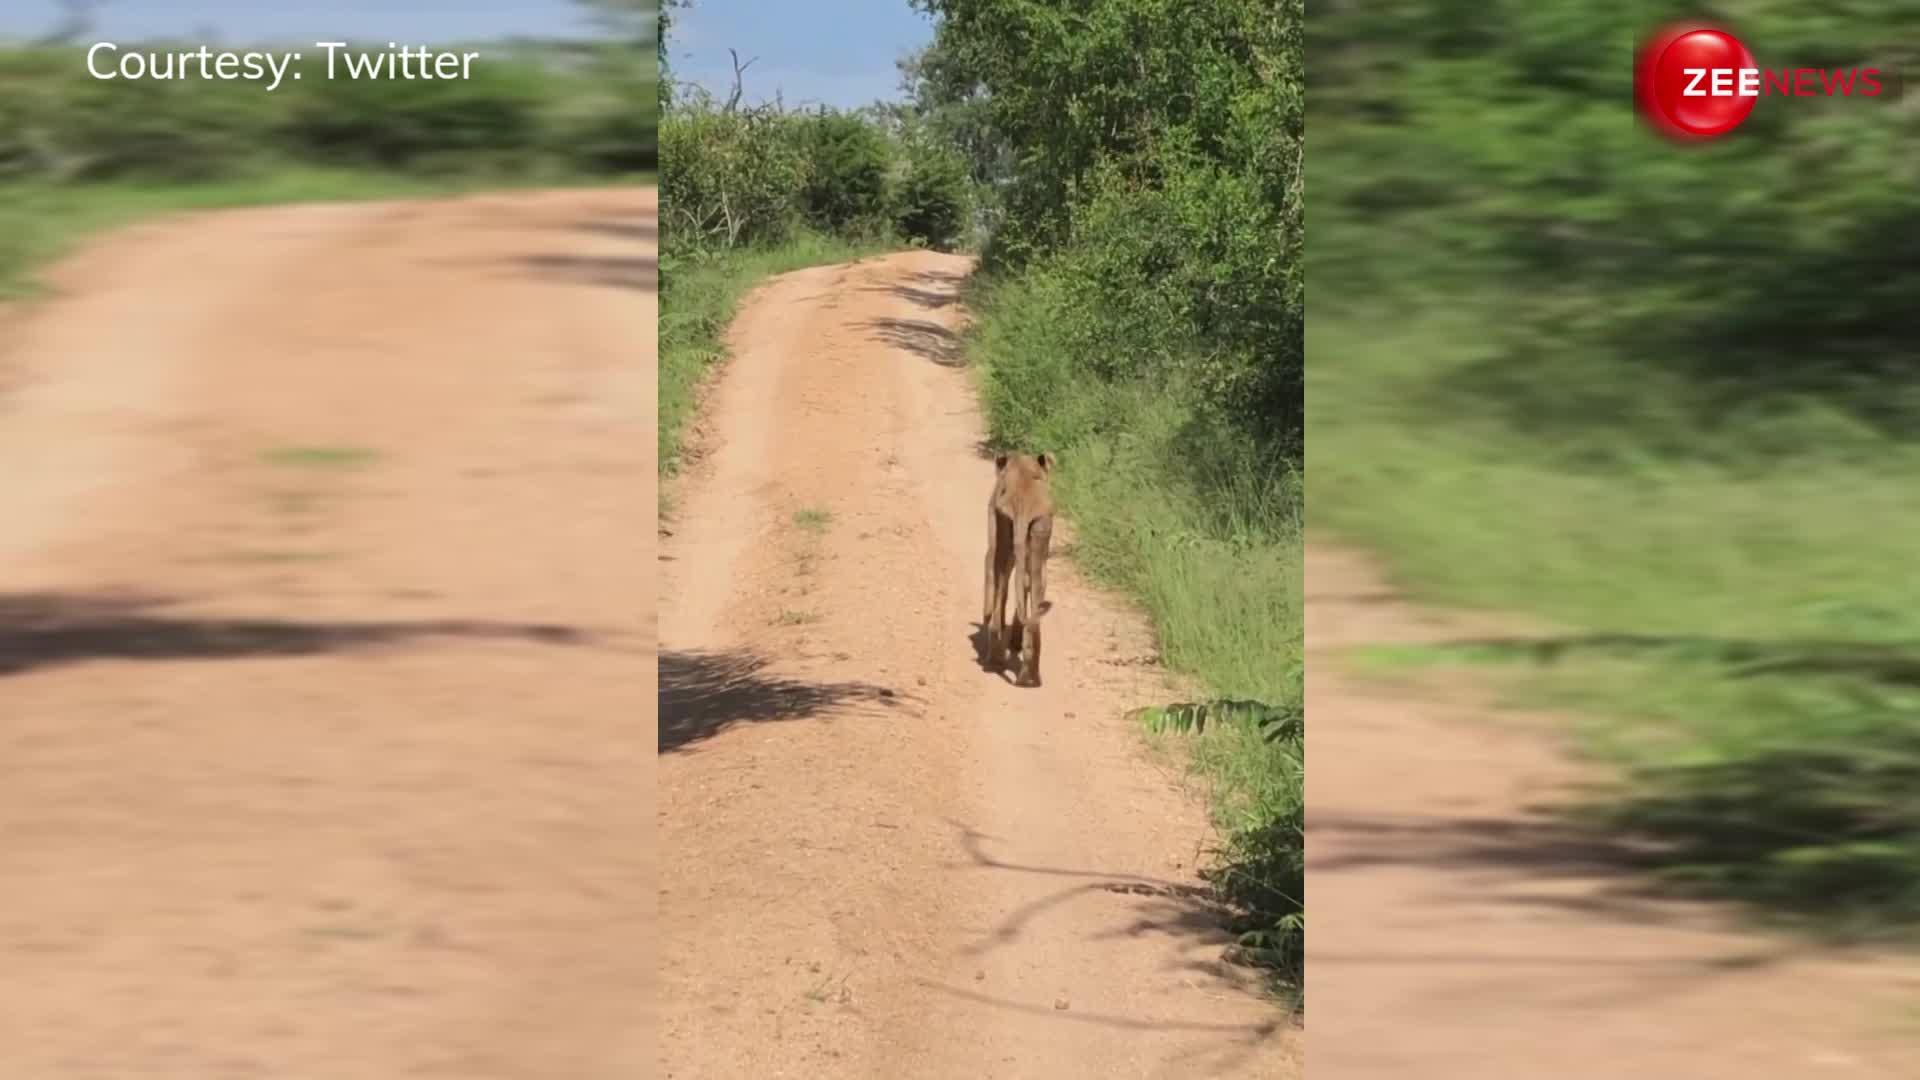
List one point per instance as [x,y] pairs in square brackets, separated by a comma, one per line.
[395,123]
[31,90]
[62,124]
[619,136]
[758,177]
[729,180]
[932,204]
[848,160]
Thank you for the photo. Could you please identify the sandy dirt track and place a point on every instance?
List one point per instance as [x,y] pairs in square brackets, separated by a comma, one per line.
[1461,934]
[326,651]
[884,861]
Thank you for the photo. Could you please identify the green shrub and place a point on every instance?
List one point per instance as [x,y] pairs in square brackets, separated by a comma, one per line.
[848,160]
[620,136]
[66,125]
[729,180]
[932,203]
[33,85]
[395,123]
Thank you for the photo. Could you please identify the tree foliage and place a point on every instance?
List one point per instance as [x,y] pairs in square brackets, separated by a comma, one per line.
[848,161]
[1149,152]
[932,199]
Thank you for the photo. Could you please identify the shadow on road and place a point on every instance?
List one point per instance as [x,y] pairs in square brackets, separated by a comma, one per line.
[977,638]
[640,272]
[936,277]
[925,298]
[927,340]
[1469,845]
[628,272]
[1637,849]
[1889,664]
[1145,908]
[646,232]
[1813,828]
[47,629]
[1104,1020]
[704,693]
[1528,867]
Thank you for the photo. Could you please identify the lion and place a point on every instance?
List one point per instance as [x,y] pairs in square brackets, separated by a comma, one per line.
[1019,533]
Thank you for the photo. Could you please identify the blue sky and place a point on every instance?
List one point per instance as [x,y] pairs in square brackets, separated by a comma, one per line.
[403,21]
[831,52]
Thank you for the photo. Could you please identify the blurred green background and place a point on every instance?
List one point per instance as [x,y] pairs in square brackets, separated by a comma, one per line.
[564,92]
[1667,397]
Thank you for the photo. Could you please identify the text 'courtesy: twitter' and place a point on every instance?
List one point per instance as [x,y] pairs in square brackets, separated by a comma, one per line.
[108,61]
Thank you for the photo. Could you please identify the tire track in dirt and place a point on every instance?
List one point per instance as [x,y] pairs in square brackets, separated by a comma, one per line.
[1461,932]
[325,657]
[884,861]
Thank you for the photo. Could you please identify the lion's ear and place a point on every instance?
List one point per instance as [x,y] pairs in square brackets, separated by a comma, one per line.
[1000,463]
[1046,462]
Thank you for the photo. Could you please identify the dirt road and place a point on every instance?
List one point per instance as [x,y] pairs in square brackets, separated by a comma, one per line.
[326,661]
[1460,934]
[885,862]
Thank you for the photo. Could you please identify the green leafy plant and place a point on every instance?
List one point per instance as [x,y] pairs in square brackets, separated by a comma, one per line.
[1192,717]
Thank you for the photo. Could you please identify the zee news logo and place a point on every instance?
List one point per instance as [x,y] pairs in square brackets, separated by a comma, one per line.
[1694,82]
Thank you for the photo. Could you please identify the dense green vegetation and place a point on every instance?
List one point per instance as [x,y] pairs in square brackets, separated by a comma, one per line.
[78,152]
[1138,314]
[1663,396]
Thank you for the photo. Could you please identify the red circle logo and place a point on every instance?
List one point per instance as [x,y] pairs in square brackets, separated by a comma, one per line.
[1695,82]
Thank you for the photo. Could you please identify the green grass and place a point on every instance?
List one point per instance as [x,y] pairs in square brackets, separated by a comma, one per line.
[294,503]
[319,457]
[813,519]
[1167,508]
[1739,618]
[699,296]
[41,222]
